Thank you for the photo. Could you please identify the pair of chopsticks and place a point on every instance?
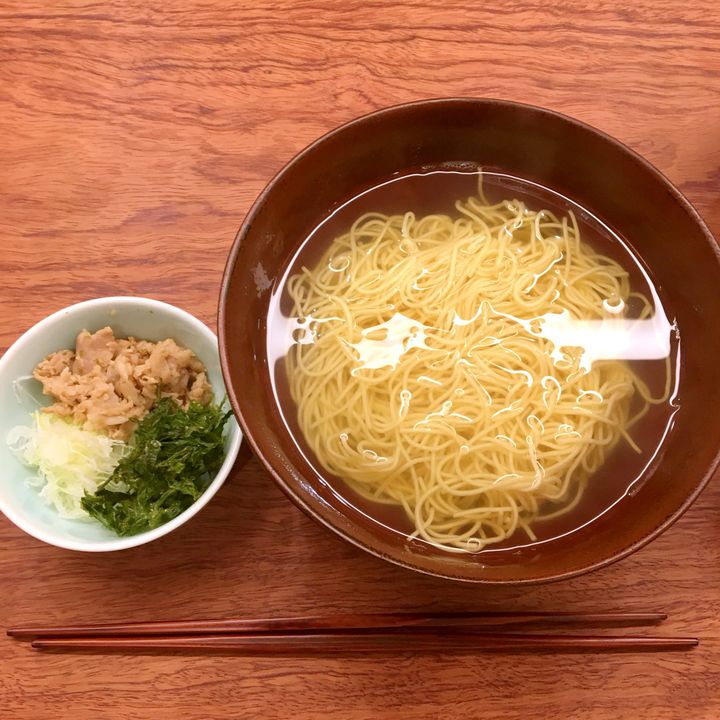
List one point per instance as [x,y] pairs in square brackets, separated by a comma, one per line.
[389,632]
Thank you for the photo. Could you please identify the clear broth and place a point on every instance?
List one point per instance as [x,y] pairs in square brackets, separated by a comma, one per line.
[430,191]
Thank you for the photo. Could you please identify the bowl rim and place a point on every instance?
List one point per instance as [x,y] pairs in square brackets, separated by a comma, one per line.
[247,425]
[235,433]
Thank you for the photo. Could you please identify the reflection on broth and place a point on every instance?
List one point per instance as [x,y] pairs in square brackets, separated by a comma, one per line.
[610,338]
[479,374]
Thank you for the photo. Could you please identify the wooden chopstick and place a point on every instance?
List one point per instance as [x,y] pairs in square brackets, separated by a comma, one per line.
[334,623]
[362,643]
[355,633]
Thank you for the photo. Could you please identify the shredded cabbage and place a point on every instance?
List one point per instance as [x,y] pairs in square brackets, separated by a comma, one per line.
[70,461]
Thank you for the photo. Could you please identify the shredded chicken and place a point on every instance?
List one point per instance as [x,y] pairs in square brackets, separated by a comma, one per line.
[109,384]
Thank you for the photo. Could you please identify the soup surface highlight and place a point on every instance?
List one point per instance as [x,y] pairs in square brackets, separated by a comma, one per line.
[473,360]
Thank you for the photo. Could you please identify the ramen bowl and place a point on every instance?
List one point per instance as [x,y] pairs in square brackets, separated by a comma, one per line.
[621,189]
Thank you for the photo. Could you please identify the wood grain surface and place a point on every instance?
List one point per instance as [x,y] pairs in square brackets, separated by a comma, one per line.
[133,137]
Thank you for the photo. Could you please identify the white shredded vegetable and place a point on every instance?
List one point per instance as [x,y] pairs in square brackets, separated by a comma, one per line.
[69,460]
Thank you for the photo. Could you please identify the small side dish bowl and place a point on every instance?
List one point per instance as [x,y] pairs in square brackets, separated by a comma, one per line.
[140,317]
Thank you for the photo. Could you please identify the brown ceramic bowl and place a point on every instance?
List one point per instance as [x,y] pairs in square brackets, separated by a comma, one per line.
[574,159]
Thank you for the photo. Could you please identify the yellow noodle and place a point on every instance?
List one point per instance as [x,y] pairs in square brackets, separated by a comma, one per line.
[471,427]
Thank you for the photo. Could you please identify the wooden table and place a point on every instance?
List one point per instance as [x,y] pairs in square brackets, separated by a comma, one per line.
[134,137]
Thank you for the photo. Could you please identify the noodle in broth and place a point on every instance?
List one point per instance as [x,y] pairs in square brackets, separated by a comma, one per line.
[425,373]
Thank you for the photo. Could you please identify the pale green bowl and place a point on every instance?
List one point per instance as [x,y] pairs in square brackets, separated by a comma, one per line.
[144,318]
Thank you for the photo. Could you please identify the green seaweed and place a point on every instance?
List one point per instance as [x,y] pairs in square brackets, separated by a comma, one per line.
[175,454]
